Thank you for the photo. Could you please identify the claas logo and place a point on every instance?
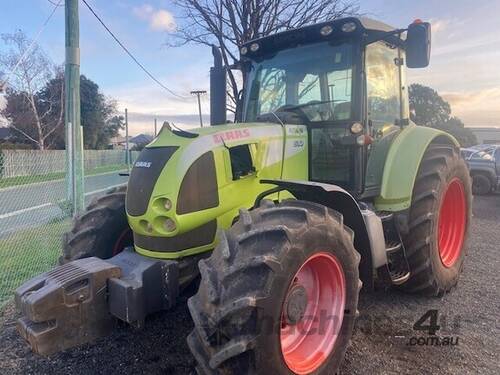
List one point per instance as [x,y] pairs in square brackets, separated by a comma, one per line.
[231,135]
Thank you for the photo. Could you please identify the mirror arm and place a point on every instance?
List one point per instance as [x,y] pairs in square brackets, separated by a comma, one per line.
[393,36]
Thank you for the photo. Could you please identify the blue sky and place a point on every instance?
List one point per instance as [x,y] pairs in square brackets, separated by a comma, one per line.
[464,65]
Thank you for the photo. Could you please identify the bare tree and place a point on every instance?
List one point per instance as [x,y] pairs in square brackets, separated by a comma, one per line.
[230,23]
[34,70]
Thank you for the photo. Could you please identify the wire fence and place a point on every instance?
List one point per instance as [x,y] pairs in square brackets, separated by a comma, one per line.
[34,212]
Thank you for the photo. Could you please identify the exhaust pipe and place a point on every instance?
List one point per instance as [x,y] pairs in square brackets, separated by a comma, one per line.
[217,90]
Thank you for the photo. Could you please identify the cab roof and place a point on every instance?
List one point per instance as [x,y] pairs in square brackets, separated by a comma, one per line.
[312,33]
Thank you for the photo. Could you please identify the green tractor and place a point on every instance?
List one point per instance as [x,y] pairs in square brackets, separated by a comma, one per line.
[322,186]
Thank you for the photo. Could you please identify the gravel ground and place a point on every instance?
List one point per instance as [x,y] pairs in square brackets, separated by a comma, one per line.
[379,346]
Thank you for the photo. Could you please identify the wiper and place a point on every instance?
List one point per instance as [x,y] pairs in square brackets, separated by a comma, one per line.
[288,107]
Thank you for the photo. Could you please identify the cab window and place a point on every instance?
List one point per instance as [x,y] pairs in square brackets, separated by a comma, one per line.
[382,84]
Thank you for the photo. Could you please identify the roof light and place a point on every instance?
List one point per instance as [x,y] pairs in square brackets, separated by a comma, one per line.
[254,47]
[326,30]
[243,50]
[348,27]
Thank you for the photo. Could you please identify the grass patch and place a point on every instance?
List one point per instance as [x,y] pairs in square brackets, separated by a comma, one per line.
[25,180]
[27,253]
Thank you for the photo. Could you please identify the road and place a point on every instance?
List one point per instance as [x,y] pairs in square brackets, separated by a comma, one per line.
[27,205]
[379,345]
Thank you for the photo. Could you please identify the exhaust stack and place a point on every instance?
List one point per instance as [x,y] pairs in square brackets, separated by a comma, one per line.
[217,90]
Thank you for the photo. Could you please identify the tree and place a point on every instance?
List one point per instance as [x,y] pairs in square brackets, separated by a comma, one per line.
[30,69]
[228,24]
[98,114]
[428,108]
[456,127]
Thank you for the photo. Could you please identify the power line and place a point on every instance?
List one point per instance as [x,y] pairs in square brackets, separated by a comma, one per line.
[27,50]
[130,53]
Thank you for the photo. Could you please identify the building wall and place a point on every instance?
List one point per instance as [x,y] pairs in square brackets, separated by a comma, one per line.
[487,135]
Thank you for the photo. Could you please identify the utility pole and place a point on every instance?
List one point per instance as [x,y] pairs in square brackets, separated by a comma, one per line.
[199,93]
[127,155]
[156,132]
[74,134]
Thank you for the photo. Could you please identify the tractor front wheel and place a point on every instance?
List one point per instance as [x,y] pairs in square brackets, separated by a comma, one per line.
[439,220]
[278,295]
[101,231]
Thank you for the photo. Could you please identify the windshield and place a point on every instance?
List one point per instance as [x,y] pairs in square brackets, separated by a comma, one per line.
[315,79]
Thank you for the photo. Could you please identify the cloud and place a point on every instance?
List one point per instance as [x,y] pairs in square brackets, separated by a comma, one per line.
[163,21]
[144,11]
[158,19]
[476,108]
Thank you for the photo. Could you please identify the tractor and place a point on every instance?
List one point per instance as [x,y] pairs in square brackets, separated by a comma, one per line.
[321,187]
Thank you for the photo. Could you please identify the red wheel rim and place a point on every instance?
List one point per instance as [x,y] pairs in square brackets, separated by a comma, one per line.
[452,222]
[306,344]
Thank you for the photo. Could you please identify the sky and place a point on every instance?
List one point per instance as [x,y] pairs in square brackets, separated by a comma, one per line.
[464,65]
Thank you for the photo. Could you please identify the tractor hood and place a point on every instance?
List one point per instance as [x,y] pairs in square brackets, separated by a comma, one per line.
[179,180]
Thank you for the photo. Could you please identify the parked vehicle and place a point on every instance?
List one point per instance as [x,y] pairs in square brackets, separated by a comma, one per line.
[484,165]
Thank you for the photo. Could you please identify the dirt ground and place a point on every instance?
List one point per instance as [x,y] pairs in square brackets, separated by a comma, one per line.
[380,344]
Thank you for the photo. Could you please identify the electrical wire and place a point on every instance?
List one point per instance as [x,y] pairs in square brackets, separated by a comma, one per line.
[27,50]
[131,55]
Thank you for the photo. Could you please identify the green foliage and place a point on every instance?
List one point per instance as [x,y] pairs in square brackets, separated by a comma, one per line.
[428,108]
[98,114]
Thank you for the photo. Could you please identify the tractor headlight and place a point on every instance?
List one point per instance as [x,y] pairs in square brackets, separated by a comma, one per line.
[356,128]
[243,50]
[254,47]
[348,27]
[326,30]
[167,204]
[169,225]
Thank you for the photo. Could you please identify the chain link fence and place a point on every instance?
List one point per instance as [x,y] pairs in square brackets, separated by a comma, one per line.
[33,209]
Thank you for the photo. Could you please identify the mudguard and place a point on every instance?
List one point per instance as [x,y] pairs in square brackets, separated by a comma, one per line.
[402,164]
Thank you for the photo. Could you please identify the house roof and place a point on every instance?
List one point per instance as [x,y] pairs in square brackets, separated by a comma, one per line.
[141,139]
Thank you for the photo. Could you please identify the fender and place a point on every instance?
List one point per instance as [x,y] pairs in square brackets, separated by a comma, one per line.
[339,200]
[402,164]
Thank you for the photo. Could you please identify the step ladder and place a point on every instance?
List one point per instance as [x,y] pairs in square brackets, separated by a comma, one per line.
[397,265]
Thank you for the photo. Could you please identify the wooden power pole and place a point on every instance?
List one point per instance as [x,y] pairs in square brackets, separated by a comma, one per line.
[199,93]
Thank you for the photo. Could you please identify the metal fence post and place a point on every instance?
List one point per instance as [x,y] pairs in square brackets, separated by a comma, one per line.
[74,136]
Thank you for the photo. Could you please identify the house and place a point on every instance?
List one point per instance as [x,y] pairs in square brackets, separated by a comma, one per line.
[118,143]
[486,135]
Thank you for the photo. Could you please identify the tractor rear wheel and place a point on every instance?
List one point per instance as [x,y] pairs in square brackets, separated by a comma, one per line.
[101,231]
[278,295]
[439,220]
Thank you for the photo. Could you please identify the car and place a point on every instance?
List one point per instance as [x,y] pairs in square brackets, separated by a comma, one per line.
[484,165]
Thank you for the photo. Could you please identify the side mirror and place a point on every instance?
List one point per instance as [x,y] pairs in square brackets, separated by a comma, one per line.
[418,45]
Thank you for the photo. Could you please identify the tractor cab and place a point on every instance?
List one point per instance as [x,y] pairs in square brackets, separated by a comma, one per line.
[344,80]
